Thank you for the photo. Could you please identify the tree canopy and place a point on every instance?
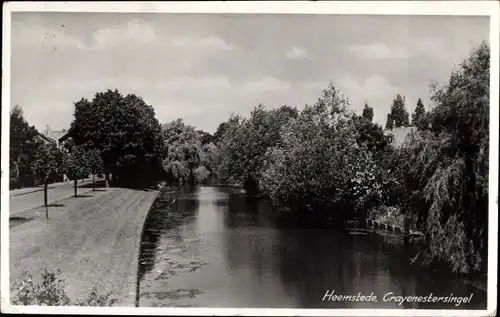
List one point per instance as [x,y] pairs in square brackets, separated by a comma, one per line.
[368,112]
[398,117]
[22,144]
[449,167]
[184,152]
[125,131]
[244,143]
[419,118]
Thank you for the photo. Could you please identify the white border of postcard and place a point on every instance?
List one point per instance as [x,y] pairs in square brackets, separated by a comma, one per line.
[466,8]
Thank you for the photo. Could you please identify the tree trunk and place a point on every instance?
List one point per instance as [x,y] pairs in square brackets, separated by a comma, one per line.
[106,176]
[93,182]
[45,199]
[76,181]
[19,167]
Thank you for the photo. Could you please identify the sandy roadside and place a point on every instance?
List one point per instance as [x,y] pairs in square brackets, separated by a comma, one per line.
[92,240]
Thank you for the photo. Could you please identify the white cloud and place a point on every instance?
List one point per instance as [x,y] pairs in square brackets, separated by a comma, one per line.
[297,53]
[207,42]
[181,83]
[379,51]
[315,85]
[173,109]
[139,83]
[375,90]
[44,37]
[266,84]
[135,31]
[373,85]
[438,48]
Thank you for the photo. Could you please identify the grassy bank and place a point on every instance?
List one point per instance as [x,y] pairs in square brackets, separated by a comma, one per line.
[93,240]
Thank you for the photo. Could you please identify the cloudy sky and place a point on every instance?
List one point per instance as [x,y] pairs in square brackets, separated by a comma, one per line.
[202,67]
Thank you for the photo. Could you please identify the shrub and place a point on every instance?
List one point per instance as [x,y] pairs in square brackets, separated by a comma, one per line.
[52,292]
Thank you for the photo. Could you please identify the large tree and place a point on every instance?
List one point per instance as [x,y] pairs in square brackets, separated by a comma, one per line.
[22,146]
[419,118]
[184,152]
[307,169]
[245,142]
[125,131]
[449,167]
[368,112]
[95,164]
[75,165]
[398,114]
[47,164]
[389,124]
[369,134]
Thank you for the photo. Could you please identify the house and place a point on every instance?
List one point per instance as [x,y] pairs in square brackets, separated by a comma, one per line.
[58,137]
[55,135]
[400,134]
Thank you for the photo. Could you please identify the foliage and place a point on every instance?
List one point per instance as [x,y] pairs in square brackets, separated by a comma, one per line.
[125,131]
[245,142]
[94,299]
[22,146]
[208,156]
[370,134]
[391,216]
[448,167]
[398,117]
[201,174]
[186,153]
[52,292]
[48,160]
[94,162]
[221,130]
[368,112]
[389,125]
[75,164]
[205,137]
[419,118]
[305,169]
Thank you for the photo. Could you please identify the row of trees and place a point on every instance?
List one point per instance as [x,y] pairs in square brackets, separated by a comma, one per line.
[326,160]
[113,135]
[35,156]
[399,117]
[323,161]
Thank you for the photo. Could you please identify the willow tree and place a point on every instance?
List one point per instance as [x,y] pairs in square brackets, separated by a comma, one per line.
[184,151]
[449,167]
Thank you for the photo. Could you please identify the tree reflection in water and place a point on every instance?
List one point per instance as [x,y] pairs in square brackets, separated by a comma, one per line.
[255,263]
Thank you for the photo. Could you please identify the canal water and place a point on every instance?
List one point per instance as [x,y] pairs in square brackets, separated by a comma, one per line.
[218,247]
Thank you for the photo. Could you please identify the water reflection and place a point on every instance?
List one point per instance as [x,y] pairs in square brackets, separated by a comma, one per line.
[216,247]
[173,207]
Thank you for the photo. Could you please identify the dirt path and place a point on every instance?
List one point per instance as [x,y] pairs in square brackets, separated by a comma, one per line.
[93,239]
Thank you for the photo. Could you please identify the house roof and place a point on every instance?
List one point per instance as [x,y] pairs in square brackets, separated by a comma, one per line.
[45,138]
[64,137]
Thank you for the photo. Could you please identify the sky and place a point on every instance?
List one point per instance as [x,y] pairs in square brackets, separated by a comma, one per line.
[203,67]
